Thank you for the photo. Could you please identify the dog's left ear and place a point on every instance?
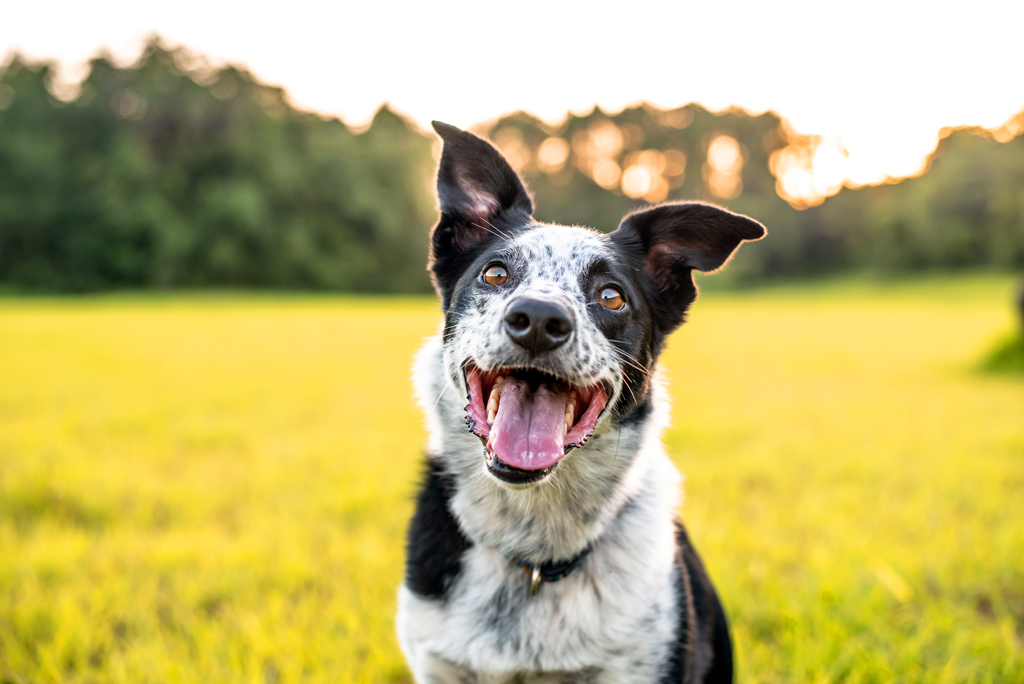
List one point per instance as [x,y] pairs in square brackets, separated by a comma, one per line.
[672,240]
[479,192]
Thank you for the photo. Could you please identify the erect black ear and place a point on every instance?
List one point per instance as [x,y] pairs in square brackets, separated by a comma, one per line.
[480,195]
[674,239]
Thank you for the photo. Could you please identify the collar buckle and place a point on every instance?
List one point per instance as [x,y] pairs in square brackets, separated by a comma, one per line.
[550,571]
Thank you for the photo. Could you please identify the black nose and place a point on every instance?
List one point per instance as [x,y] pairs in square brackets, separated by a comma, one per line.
[538,325]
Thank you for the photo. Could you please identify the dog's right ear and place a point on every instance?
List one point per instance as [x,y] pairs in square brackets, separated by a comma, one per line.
[479,194]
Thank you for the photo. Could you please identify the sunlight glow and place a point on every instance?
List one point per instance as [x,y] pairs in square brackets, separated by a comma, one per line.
[1010,130]
[606,173]
[725,162]
[552,155]
[510,141]
[808,172]
[643,176]
[636,180]
[884,105]
[675,166]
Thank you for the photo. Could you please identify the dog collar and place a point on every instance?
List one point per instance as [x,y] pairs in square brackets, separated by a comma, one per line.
[552,571]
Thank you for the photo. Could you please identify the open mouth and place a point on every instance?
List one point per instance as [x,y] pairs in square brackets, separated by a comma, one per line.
[529,419]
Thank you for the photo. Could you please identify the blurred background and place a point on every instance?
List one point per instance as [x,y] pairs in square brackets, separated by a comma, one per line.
[213,233]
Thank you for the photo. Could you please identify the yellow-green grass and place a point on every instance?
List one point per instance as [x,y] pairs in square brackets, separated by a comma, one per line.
[215,489]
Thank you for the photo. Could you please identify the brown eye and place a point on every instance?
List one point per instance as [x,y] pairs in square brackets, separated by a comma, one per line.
[495,274]
[611,299]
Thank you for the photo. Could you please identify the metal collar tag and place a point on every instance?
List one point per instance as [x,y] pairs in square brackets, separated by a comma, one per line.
[551,571]
[535,581]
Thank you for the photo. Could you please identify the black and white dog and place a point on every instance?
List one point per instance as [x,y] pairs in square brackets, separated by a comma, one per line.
[545,545]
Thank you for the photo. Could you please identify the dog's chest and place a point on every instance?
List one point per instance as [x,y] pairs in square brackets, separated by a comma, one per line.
[589,626]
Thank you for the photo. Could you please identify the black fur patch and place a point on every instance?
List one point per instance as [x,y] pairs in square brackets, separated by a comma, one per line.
[703,651]
[451,265]
[457,287]
[632,332]
[479,192]
[434,544]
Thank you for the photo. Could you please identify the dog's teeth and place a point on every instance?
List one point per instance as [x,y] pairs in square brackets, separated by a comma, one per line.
[493,400]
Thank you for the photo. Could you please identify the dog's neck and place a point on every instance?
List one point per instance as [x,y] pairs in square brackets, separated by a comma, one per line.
[558,518]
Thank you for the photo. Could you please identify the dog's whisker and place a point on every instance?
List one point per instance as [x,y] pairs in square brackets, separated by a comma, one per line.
[625,383]
[630,357]
[508,239]
[447,382]
[627,356]
[635,364]
[495,232]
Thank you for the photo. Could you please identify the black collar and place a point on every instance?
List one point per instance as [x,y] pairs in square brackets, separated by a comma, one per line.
[551,571]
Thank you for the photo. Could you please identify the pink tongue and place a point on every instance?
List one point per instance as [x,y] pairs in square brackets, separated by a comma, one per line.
[529,429]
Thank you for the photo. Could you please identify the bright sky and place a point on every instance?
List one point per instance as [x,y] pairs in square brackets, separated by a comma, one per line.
[879,78]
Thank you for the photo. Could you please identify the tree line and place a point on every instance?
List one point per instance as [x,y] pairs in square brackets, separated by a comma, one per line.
[161,176]
[171,174]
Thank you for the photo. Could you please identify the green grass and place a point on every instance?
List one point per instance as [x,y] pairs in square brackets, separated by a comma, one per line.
[1007,356]
[215,489]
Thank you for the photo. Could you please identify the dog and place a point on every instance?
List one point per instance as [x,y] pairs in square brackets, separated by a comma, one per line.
[544,546]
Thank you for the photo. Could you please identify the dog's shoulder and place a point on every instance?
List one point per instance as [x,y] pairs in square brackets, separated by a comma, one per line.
[435,544]
[703,652]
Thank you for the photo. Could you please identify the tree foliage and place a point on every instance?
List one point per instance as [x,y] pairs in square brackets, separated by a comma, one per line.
[965,211]
[168,173]
[161,176]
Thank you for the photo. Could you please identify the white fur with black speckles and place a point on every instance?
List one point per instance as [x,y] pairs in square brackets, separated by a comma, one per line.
[613,618]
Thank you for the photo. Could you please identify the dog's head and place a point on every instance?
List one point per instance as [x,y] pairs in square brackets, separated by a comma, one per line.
[553,331]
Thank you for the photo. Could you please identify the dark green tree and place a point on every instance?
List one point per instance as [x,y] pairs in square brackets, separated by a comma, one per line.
[161,176]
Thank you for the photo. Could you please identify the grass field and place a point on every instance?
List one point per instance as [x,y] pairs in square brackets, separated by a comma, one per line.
[215,489]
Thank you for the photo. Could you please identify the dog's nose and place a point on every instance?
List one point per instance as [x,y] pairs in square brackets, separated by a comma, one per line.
[538,325]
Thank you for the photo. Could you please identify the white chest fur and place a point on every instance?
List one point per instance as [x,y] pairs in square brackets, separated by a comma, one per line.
[611,620]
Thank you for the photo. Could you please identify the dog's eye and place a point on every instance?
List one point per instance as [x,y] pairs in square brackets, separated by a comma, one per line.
[611,299]
[495,274]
